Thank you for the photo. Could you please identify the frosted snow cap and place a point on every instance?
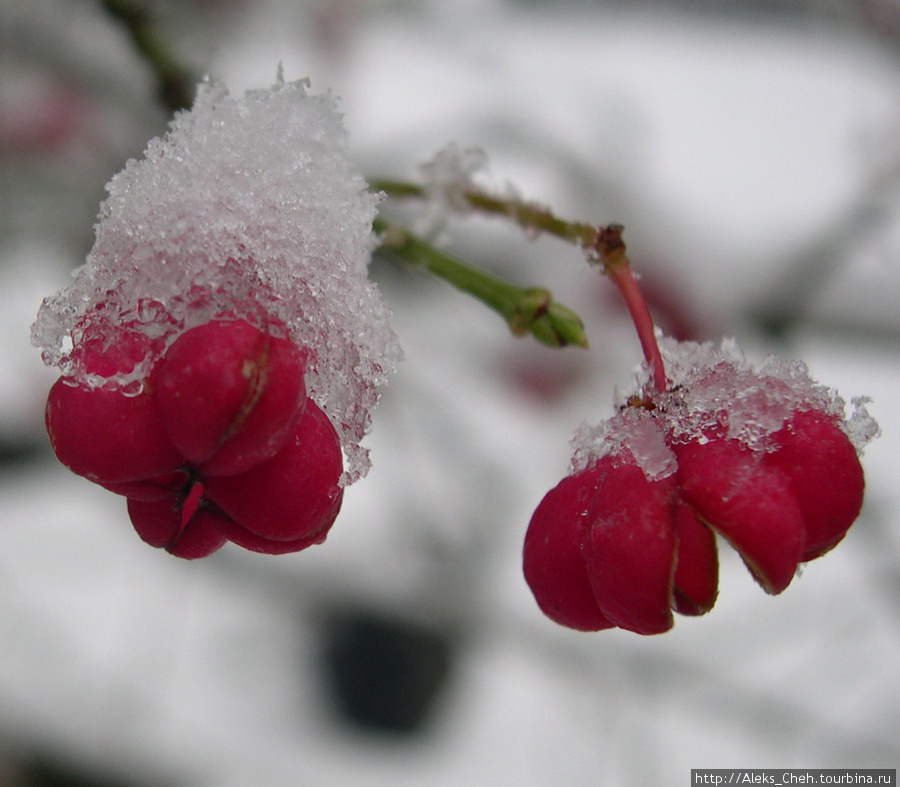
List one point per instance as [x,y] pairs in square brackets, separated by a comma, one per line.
[633,429]
[251,207]
[712,387]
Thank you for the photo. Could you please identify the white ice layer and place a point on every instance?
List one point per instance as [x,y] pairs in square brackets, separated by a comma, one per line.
[634,429]
[712,387]
[248,206]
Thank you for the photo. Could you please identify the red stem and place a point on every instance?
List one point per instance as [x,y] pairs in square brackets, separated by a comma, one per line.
[615,263]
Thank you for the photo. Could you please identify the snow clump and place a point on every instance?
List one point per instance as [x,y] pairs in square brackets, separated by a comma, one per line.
[248,207]
[712,390]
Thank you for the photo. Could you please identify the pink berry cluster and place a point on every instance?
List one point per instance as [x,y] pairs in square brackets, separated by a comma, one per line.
[221,444]
[761,457]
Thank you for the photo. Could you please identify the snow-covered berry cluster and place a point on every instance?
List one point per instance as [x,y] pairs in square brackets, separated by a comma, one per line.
[222,347]
[760,456]
[221,444]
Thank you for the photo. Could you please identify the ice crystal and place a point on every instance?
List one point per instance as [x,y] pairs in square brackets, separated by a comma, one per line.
[634,429]
[445,179]
[251,207]
[860,427]
[712,389]
[450,173]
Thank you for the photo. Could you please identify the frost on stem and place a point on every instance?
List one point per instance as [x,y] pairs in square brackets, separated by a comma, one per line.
[248,207]
[448,176]
[450,185]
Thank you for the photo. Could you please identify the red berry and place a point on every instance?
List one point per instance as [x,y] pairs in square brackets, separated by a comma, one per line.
[631,549]
[229,395]
[106,348]
[222,443]
[203,535]
[696,583]
[183,528]
[160,487]
[825,475]
[748,503]
[553,557]
[268,546]
[106,436]
[295,494]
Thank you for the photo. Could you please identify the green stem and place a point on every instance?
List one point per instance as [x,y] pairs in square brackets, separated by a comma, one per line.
[603,244]
[533,217]
[527,215]
[526,310]
[175,84]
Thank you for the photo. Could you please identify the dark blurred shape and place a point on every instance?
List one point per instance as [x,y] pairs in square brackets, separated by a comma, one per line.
[46,770]
[175,83]
[16,453]
[790,299]
[385,673]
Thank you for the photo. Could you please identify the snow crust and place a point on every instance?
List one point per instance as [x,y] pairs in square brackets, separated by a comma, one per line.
[633,432]
[248,206]
[712,388]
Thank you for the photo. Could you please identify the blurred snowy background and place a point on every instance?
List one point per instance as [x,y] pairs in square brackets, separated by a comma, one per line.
[752,149]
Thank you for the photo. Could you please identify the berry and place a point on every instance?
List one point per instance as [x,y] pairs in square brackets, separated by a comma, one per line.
[182,531]
[221,444]
[229,395]
[707,446]
[824,474]
[148,490]
[631,549]
[749,504]
[267,546]
[295,494]
[696,581]
[106,436]
[553,556]
[759,458]
[609,547]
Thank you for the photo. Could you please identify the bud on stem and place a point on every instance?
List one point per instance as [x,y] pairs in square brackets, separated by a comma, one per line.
[603,244]
[525,309]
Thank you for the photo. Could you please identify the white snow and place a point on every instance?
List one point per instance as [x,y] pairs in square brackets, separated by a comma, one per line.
[634,429]
[713,387]
[251,207]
